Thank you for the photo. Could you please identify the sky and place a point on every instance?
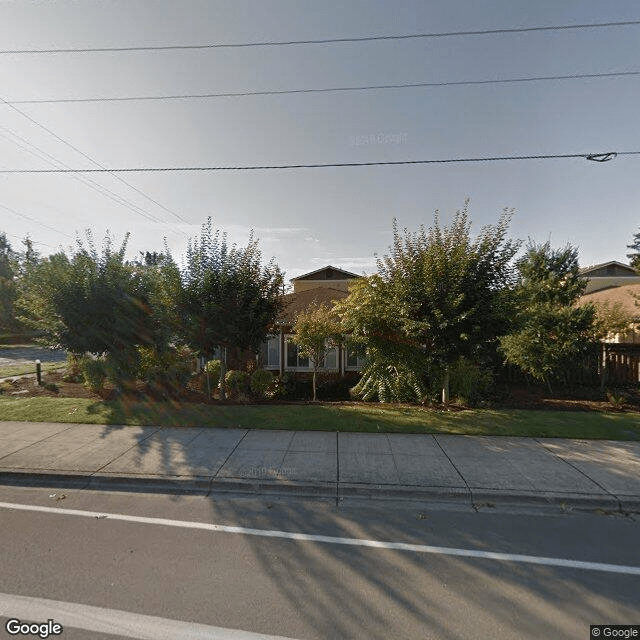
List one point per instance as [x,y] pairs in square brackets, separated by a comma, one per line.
[309,218]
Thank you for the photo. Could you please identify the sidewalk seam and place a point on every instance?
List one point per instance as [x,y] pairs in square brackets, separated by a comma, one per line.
[225,461]
[73,424]
[466,484]
[553,453]
[125,451]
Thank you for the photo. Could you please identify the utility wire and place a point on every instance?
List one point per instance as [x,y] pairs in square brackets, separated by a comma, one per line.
[92,184]
[68,144]
[26,217]
[325,90]
[597,157]
[410,36]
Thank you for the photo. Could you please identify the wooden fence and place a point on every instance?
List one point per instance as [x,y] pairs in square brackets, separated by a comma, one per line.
[619,364]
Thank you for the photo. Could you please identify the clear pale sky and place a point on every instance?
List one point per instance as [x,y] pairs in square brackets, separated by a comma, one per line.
[307,218]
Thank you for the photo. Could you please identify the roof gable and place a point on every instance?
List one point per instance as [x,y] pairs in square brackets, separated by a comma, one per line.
[327,273]
[611,268]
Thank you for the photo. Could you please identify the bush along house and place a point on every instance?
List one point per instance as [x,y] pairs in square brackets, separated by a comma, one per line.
[323,286]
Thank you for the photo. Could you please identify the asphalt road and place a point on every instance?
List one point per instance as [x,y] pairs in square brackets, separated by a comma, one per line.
[161,557]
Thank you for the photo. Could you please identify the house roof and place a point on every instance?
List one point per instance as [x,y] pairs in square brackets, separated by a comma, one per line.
[346,275]
[622,294]
[594,267]
[298,302]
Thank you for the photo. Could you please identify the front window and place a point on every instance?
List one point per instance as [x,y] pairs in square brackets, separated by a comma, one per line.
[270,352]
[354,362]
[294,359]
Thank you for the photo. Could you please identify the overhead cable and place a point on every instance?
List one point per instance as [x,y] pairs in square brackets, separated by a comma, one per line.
[409,85]
[68,144]
[587,156]
[445,34]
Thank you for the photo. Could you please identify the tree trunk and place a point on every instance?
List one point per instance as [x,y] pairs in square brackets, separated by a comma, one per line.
[445,387]
[223,373]
[314,384]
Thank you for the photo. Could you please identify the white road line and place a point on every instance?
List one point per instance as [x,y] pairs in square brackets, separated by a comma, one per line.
[376,544]
[119,623]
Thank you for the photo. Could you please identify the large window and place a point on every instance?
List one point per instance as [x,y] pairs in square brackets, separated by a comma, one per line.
[270,352]
[294,359]
[354,362]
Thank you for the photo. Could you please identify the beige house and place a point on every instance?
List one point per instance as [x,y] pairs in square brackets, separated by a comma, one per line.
[608,274]
[627,298]
[323,286]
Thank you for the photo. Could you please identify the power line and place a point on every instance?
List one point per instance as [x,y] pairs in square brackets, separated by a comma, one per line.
[92,184]
[26,217]
[409,85]
[68,144]
[410,36]
[598,157]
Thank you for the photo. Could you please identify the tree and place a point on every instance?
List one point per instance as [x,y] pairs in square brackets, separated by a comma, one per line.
[95,303]
[549,329]
[438,296]
[228,299]
[317,332]
[634,257]
[8,260]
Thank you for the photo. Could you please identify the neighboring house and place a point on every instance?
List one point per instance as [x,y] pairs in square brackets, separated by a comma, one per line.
[625,297]
[608,274]
[323,286]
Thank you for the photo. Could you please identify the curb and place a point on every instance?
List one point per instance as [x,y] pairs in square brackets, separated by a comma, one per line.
[206,486]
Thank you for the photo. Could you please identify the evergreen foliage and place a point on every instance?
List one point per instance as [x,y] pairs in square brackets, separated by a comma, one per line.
[548,328]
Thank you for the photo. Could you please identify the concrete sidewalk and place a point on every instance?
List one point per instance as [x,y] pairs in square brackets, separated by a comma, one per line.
[477,470]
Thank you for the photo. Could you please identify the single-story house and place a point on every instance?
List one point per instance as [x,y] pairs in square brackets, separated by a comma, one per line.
[608,274]
[323,286]
[623,296]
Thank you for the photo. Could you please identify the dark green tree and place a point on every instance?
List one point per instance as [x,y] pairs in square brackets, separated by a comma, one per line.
[437,297]
[95,302]
[229,299]
[634,256]
[549,329]
[8,260]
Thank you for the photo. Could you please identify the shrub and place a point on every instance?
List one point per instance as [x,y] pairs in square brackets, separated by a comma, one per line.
[73,372]
[236,382]
[469,382]
[261,380]
[167,373]
[289,387]
[213,369]
[122,368]
[617,400]
[93,372]
[51,386]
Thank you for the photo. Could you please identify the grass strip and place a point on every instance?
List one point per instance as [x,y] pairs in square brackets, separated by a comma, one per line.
[367,418]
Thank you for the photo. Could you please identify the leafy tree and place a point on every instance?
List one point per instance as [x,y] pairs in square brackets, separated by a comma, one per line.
[97,303]
[7,285]
[549,329]
[228,298]
[317,332]
[634,256]
[438,296]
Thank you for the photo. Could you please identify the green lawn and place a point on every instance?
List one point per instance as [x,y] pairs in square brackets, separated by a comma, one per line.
[24,369]
[330,417]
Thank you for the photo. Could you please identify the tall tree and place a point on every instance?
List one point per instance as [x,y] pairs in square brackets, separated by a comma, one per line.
[549,329]
[634,256]
[438,296]
[7,285]
[229,299]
